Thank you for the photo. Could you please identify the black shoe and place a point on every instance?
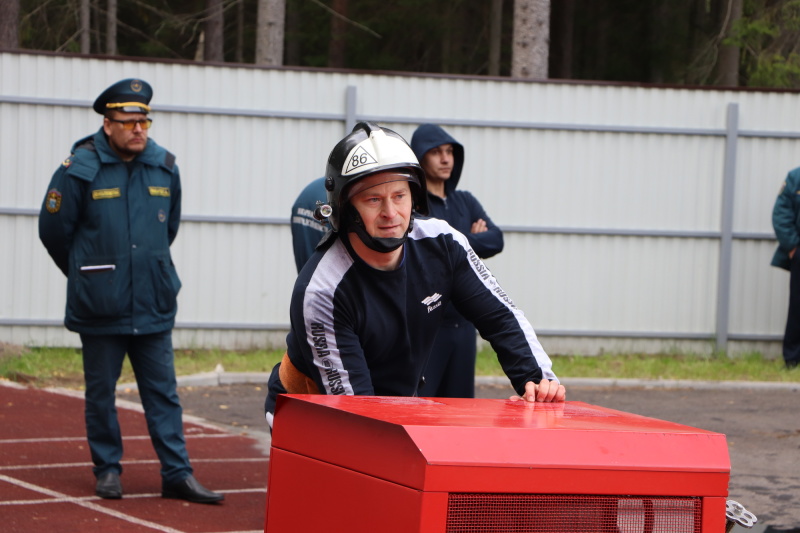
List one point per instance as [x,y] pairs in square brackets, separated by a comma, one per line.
[791,364]
[109,486]
[190,490]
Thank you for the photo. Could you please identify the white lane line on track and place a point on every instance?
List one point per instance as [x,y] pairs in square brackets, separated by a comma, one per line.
[140,496]
[39,466]
[36,441]
[127,404]
[89,505]
[189,436]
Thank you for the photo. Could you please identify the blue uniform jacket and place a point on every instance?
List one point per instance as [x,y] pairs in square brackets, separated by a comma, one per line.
[786,219]
[358,330]
[307,230]
[108,226]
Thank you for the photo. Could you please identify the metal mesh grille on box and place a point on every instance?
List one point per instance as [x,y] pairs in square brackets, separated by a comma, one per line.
[546,513]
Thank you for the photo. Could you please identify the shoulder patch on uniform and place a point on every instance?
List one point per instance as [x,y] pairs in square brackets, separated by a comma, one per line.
[68,161]
[169,160]
[53,201]
[87,145]
[84,161]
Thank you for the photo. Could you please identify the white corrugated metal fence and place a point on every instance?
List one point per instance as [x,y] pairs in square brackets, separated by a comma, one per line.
[636,218]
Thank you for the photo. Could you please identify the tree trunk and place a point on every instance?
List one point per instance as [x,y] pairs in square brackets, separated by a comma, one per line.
[111,28]
[269,33]
[215,22]
[86,29]
[95,37]
[529,54]
[728,62]
[9,24]
[495,36]
[337,43]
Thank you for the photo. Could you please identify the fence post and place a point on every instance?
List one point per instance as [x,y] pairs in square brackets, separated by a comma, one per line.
[726,226]
[350,109]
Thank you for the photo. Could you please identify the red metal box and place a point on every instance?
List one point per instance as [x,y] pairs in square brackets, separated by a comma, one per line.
[391,464]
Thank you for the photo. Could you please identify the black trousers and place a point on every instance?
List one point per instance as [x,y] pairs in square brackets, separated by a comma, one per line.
[450,372]
[791,338]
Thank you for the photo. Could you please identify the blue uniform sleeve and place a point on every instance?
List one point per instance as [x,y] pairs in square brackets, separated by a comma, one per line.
[784,213]
[306,235]
[59,214]
[488,243]
[175,205]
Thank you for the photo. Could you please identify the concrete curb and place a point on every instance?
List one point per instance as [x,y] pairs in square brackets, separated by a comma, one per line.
[657,383]
[211,379]
[220,377]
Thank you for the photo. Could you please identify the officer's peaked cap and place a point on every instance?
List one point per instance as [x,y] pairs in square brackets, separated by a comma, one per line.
[130,95]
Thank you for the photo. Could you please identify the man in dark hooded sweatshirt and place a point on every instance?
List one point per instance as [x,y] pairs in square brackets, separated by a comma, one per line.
[452,373]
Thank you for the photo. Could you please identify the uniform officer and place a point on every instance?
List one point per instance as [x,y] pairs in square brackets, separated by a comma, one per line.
[786,222]
[110,214]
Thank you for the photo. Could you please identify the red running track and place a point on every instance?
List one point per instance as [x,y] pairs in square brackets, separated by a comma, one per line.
[46,480]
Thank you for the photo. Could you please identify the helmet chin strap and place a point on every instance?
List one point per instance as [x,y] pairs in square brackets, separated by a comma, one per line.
[382,245]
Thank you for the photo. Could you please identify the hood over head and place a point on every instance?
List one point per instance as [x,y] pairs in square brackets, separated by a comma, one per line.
[429,136]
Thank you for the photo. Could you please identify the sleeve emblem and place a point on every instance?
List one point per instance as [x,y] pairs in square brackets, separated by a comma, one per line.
[53,201]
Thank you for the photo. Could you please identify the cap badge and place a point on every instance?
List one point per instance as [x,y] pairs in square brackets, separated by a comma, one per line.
[136,86]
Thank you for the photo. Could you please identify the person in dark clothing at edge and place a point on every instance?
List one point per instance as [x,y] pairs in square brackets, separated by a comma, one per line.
[451,374]
[307,230]
[786,223]
[110,214]
[367,305]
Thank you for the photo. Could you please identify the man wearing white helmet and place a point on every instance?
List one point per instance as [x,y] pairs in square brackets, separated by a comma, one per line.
[367,306]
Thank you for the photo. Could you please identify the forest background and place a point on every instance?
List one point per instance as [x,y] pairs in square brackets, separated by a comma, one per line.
[744,43]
